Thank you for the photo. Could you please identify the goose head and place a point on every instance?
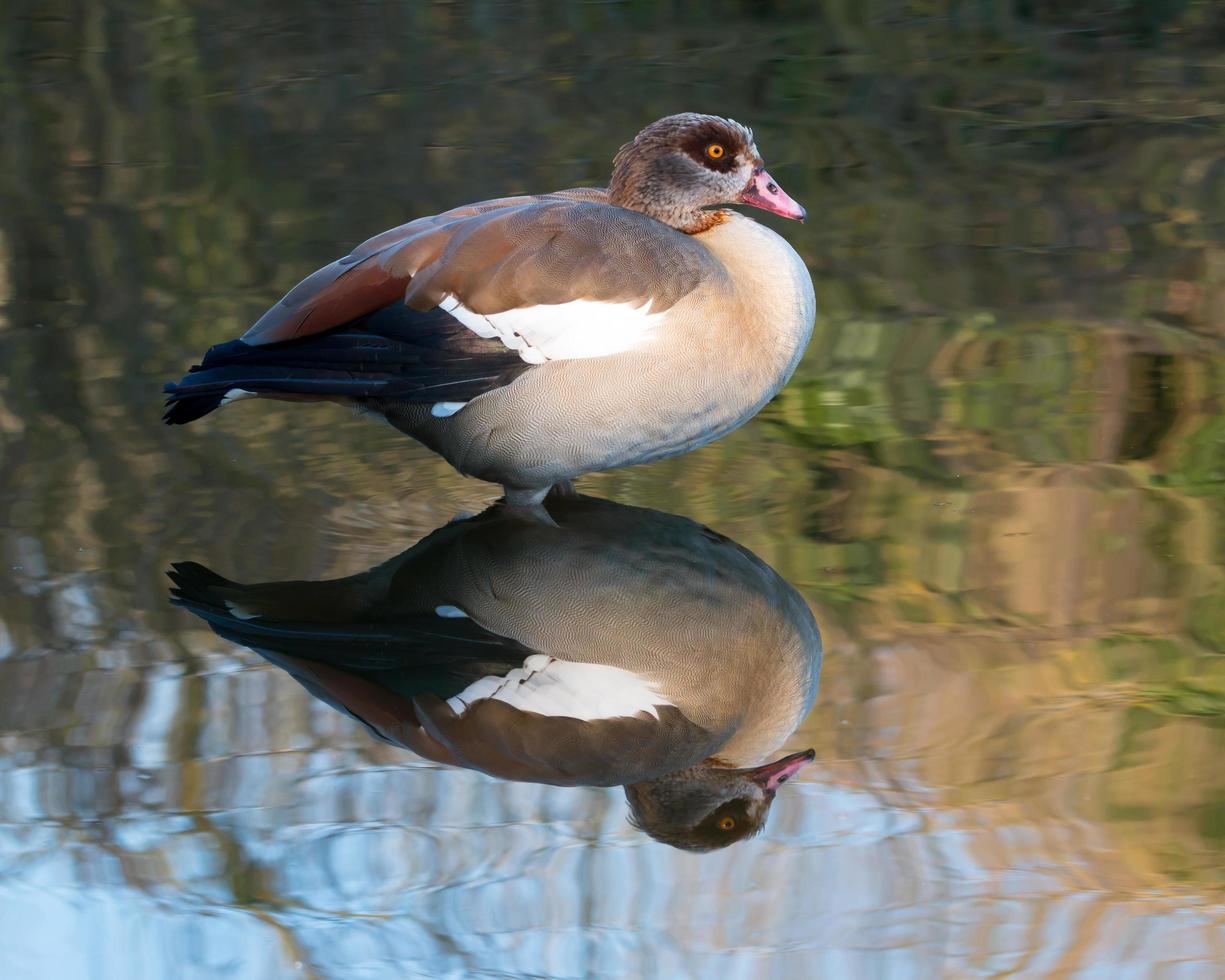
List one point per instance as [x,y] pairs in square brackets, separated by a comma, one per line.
[709,806]
[680,165]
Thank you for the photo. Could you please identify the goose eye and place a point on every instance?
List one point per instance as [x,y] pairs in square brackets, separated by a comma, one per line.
[715,151]
[727,823]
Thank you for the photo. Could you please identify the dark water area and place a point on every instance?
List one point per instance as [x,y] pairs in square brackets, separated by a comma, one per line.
[997,481]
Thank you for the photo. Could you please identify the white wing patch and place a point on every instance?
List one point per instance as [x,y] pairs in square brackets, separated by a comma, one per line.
[236,394]
[238,611]
[564,689]
[442,410]
[561,331]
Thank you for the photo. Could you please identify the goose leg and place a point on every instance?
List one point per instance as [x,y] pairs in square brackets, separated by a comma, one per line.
[527,498]
[528,504]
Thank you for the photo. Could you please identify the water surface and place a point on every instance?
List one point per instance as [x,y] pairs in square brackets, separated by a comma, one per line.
[997,479]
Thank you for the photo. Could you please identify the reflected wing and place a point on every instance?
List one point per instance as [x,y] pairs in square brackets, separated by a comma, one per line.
[369,670]
[502,740]
[505,741]
[445,687]
[332,622]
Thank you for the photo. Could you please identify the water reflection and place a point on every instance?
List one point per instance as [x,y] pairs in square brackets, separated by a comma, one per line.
[604,645]
[997,477]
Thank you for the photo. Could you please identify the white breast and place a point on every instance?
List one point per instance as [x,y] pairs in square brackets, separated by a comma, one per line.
[580,328]
[563,689]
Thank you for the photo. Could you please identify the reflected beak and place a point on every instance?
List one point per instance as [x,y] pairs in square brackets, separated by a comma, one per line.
[762,192]
[773,774]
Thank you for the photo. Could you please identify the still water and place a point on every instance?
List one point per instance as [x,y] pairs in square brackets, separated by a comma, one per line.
[997,481]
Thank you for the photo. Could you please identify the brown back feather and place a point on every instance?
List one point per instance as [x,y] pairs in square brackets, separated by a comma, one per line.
[496,256]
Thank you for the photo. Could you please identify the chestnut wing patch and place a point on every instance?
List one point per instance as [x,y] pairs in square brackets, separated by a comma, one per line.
[497,260]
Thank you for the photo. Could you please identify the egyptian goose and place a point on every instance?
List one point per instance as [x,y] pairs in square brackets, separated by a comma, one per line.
[532,339]
[610,646]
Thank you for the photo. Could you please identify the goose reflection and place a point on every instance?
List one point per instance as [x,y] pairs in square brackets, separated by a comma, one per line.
[612,646]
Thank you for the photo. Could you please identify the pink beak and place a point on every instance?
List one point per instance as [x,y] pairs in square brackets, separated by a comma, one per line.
[773,774]
[762,192]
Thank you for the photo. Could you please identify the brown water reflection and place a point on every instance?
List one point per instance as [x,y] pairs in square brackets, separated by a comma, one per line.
[997,479]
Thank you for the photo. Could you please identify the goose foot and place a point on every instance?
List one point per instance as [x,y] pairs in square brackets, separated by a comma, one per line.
[524,497]
[529,504]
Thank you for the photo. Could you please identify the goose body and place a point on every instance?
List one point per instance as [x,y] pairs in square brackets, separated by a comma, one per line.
[612,646]
[530,340]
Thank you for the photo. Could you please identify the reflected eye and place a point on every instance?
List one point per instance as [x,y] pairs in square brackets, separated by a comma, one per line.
[727,823]
[715,151]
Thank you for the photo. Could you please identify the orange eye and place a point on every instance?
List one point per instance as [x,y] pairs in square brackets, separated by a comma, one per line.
[714,151]
[727,823]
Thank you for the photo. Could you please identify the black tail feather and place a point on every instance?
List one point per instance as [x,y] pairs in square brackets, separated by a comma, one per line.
[395,353]
[194,583]
[181,409]
[390,638]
